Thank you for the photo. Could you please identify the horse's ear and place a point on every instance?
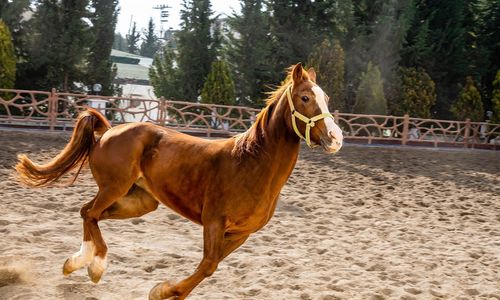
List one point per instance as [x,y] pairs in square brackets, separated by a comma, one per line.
[299,74]
[312,74]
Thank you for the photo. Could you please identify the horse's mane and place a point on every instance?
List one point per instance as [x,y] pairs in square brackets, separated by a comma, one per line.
[251,140]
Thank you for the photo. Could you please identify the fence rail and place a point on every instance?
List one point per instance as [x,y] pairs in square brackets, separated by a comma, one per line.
[55,110]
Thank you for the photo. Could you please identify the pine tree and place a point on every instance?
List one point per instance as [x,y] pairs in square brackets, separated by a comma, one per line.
[370,97]
[418,47]
[99,62]
[250,52]
[7,58]
[132,40]
[58,46]
[495,99]
[219,86]
[328,61]
[447,61]
[293,32]
[150,43]
[163,76]
[418,93]
[469,104]
[195,46]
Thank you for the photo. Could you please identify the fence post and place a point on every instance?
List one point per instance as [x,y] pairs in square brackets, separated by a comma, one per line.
[336,116]
[467,133]
[406,126]
[162,112]
[52,111]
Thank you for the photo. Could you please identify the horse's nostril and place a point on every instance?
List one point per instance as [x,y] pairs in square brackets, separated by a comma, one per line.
[331,135]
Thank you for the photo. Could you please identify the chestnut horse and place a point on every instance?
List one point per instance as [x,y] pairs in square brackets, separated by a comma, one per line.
[228,186]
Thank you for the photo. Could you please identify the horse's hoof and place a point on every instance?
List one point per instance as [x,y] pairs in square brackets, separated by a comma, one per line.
[67,267]
[157,293]
[97,268]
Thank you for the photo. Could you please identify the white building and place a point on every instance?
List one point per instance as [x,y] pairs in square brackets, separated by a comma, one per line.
[133,77]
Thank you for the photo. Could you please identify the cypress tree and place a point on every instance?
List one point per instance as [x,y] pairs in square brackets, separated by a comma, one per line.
[196,49]
[7,58]
[99,62]
[469,104]
[418,93]
[219,86]
[250,52]
[370,97]
[328,61]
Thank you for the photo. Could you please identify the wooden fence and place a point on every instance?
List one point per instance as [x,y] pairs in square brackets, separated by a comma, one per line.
[57,111]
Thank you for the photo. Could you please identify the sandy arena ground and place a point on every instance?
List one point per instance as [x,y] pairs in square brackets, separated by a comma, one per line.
[367,223]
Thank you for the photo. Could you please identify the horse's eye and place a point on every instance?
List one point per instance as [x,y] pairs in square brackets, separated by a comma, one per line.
[305,98]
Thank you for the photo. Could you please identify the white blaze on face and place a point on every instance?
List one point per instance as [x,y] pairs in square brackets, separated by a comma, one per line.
[332,128]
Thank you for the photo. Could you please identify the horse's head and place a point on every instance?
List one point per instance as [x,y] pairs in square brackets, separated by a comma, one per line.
[309,117]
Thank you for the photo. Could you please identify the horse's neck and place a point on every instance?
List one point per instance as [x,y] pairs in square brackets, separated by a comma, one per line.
[280,143]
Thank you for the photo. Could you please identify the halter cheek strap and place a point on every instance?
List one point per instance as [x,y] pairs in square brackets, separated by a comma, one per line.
[310,122]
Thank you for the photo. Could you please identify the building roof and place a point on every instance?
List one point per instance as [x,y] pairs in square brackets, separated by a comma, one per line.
[128,71]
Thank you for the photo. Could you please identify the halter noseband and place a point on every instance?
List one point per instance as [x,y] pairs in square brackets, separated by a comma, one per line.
[310,122]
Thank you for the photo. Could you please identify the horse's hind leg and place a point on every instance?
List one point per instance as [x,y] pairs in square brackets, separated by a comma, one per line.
[135,203]
[85,255]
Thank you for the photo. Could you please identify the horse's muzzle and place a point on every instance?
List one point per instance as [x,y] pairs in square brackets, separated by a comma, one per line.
[334,141]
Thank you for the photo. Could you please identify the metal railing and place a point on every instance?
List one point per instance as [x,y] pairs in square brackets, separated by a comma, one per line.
[55,110]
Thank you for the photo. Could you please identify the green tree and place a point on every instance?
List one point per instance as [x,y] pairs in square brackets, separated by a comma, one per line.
[418,93]
[495,99]
[150,44]
[378,35]
[293,32]
[250,52]
[219,86]
[328,61]
[489,43]
[75,37]
[469,104]
[58,46]
[7,58]
[99,61]
[132,39]
[447,61]
[196,48]
[162,74]
[11,12]
[370,97]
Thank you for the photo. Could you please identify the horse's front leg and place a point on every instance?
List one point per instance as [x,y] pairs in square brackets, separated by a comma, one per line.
[216,247]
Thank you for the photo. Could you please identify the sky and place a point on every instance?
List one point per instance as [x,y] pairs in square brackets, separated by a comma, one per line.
[141,10]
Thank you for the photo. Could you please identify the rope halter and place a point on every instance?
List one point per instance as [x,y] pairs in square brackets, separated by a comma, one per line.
[310,122]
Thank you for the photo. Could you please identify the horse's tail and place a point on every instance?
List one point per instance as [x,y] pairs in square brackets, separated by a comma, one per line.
[90,123]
